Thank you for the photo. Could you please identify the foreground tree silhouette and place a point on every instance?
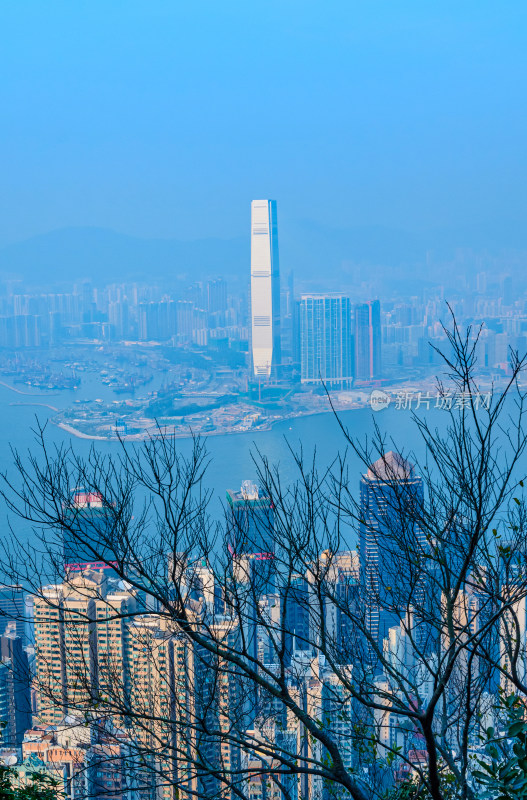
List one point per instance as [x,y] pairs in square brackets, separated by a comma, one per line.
[39,787]
[272,677]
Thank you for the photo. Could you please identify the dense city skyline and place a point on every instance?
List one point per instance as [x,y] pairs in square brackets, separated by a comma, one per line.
[231,355]
[263,395]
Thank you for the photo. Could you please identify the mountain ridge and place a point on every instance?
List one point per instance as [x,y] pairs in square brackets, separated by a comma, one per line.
[313,252]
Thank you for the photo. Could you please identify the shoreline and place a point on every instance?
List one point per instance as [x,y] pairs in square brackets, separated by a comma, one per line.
[80,434]
[187,434]
[42,405]
[141,437]
[339,408]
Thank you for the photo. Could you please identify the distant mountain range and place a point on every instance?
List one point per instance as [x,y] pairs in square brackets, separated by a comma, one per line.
[316,254]
[104,255]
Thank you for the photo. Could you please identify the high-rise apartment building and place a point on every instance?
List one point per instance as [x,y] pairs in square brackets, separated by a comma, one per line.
[152,647]
[157,692]
[216,294]
[184,320]
[49,655]
[325,339]
[119,318]
[368,341]
[81,643]
[265,289]
[94,650]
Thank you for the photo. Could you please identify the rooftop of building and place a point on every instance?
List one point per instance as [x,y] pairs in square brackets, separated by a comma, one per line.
[249,493]
[391,466]
[324,296]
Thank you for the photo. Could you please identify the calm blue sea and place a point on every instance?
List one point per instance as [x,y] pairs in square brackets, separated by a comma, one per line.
[231,455]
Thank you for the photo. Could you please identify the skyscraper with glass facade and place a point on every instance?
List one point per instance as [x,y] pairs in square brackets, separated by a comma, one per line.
[13,611]
[368,340]
[265,289]
[325,339]
[390,496]
[89,526]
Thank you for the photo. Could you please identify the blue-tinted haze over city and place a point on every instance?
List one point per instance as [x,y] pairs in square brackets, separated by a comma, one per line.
[263,341]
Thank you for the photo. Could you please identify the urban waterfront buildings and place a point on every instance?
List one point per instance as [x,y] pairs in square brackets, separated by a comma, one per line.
[250,535]
[265,290]
[326,340]
[87,531]
[388,491]
[207,321]
[250,522]
[13,610]
[157,701]
[15,698]
[338,345]
[81,640]
[368,340]
[104,668]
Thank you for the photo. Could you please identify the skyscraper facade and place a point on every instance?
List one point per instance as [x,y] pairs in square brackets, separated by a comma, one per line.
[250,535]
[87,532]
[13,610]
[81,642]
[296,614]
[325,339]
[368,340]
[388,492]
[265,289]
[216,296]
[15,696]
[250,522]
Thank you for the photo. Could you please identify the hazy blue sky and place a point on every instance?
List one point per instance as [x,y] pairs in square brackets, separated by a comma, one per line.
[165,118]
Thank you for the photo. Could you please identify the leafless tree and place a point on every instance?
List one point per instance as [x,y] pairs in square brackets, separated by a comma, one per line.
[307,671]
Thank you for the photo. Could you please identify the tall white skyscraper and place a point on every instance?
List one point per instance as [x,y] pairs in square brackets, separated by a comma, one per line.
[265,289]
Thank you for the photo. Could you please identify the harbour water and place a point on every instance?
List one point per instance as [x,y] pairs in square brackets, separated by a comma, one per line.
[231,456]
